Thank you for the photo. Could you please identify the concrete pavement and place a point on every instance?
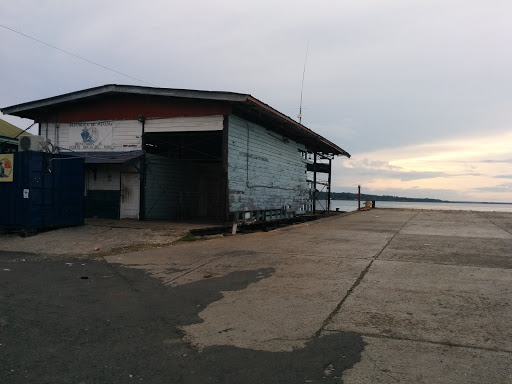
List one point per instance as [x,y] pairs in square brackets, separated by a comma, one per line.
[99,237]
[382,296]
[429,291]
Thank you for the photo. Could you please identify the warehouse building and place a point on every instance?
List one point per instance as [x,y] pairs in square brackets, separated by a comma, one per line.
[160,153]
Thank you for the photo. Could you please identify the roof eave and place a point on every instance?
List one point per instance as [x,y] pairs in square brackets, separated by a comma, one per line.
[126,89]
[330,147]
[30,109]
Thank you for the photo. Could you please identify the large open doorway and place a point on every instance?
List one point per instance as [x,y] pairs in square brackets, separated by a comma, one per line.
[183,176]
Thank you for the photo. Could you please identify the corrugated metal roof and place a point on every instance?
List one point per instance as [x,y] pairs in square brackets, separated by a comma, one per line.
[243,104]
[9,130]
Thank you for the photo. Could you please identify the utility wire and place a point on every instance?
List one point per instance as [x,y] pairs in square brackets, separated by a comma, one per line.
[77,56]
[25,130]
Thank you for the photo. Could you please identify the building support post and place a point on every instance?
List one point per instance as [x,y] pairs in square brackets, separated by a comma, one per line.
[142,171]
[314,183]
[225,169]
[235,223]
[329,187]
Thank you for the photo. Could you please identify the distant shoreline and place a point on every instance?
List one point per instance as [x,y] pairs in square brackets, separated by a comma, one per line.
[347,196]
[412,200]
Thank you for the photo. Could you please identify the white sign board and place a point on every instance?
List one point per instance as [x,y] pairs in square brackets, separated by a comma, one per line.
[95,136]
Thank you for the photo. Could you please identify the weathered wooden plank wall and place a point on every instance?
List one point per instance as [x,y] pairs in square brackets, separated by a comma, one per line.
[265,171]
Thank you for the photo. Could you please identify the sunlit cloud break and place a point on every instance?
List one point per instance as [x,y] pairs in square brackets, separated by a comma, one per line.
[472,168]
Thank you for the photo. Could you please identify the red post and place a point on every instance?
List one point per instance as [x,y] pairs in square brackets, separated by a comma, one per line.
[359,198]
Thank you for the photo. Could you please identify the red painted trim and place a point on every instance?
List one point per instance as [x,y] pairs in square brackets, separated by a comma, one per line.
[129,107]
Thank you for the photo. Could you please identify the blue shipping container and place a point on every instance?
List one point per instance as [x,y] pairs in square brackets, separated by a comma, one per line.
[46,191]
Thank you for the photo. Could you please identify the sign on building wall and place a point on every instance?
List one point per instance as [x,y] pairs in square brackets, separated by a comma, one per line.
[6,168]
[95,136]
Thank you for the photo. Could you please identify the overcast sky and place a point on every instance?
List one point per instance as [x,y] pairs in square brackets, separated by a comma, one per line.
[419,92]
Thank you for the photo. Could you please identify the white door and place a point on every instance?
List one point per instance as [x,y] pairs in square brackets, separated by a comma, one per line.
[130,196]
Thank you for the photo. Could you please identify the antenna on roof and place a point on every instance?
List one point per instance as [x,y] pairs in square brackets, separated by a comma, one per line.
[302,85]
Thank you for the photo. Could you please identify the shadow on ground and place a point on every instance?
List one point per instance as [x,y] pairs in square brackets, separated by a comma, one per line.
[83,321]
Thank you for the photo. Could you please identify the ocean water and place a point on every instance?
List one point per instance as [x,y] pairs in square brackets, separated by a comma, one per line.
[349,205]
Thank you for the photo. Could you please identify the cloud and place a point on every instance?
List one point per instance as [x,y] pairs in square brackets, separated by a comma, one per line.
[496,161]
[382,169]
[365,163]
[338,131]
[500,188]
[461,166]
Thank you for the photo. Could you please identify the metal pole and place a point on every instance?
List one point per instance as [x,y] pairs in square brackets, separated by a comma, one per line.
[359,200]
[314,183]
[329,187]
[142,171]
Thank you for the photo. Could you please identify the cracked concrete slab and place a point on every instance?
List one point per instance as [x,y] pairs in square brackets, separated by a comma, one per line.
[483,252]
[429,292]
[454,223]
[500,219]
[280,313]
[468,306]
[390,361]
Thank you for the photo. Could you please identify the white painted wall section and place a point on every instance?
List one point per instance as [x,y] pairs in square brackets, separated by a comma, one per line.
[90,136]
[105,177]
[185,124]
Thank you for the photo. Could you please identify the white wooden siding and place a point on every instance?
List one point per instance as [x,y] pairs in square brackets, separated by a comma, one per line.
[185,124]
[107,178]
[126,136]
[265,171]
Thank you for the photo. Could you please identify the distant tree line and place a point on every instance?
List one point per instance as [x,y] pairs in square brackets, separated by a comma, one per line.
[367,197]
